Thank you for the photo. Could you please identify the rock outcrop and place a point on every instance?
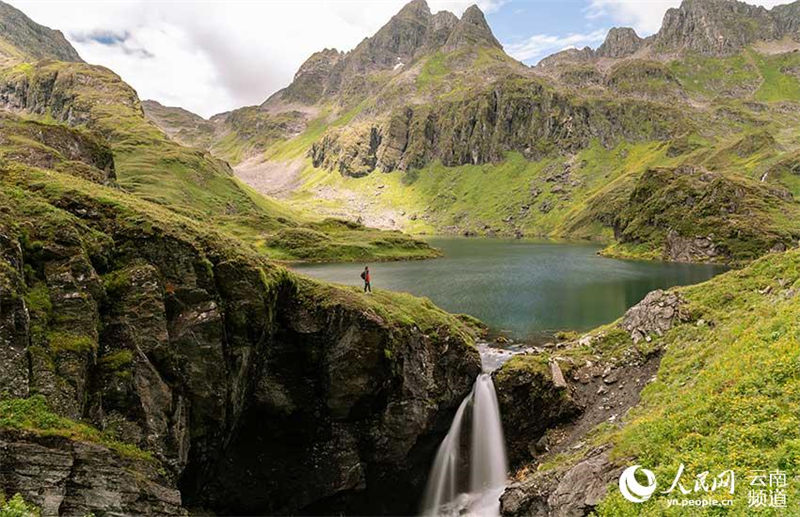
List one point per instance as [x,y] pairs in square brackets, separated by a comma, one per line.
[533,397]
[68,477]
[574,493]
[471,30]
[620,42]
[654,315]
[514,115]
[312,78]
[691,214]
[716,27]
[67,150]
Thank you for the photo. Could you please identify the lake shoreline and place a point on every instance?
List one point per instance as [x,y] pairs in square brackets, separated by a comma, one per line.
[525,291]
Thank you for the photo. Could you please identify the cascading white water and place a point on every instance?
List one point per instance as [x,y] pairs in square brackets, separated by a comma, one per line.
[487,459]
[443,480]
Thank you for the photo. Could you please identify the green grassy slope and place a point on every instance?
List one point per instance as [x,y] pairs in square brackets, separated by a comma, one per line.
[725,394]
[187,180]
[727,390]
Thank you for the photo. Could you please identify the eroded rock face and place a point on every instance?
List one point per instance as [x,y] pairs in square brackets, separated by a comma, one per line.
[573,493]
[715,26]
[345,415]
[523,116]
[690,249]
[63,149]
[654,315]
[66,477]
[257,392]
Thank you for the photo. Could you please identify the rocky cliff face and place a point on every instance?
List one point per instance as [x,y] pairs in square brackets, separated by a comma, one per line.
[313,77]
[255,390]
[699,216]
[68,477]
[471,30]
[716,27]
[515,115]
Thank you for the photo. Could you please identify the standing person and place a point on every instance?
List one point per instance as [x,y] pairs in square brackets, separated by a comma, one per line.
[365,276]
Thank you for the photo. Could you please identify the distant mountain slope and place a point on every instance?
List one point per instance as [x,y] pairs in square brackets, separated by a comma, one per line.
[21,37]
[473,142]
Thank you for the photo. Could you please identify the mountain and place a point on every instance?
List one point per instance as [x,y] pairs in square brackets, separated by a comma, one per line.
[20,37]
[154,357]
[469,141]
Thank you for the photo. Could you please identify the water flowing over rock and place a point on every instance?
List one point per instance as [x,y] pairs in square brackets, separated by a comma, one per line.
[446,492]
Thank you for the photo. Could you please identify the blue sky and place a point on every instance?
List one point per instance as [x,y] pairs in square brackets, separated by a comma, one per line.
[211,56]
[516,22]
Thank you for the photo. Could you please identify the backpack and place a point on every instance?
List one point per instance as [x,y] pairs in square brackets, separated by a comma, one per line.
[363,275]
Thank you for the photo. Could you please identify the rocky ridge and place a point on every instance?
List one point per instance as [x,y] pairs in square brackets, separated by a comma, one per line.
[20,37]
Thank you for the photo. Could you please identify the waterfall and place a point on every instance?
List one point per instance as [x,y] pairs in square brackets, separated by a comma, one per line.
[445,493]
[488,467]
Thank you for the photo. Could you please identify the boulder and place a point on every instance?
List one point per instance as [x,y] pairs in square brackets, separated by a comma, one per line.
[655,314]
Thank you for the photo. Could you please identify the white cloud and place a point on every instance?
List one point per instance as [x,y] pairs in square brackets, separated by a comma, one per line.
[644,15]
[539,46]
[212,56]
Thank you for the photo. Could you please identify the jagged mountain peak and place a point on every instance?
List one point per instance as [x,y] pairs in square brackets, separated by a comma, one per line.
[472,29]
[415,7]
[620,42]
[410,34]
[310,79]
[22,38]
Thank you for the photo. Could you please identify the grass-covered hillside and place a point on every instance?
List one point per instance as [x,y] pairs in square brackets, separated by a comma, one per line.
[52,95]
[136,338]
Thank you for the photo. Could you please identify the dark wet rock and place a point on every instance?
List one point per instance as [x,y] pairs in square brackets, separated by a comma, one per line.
[255,391]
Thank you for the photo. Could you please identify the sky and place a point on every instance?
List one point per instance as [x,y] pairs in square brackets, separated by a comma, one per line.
[210,56]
